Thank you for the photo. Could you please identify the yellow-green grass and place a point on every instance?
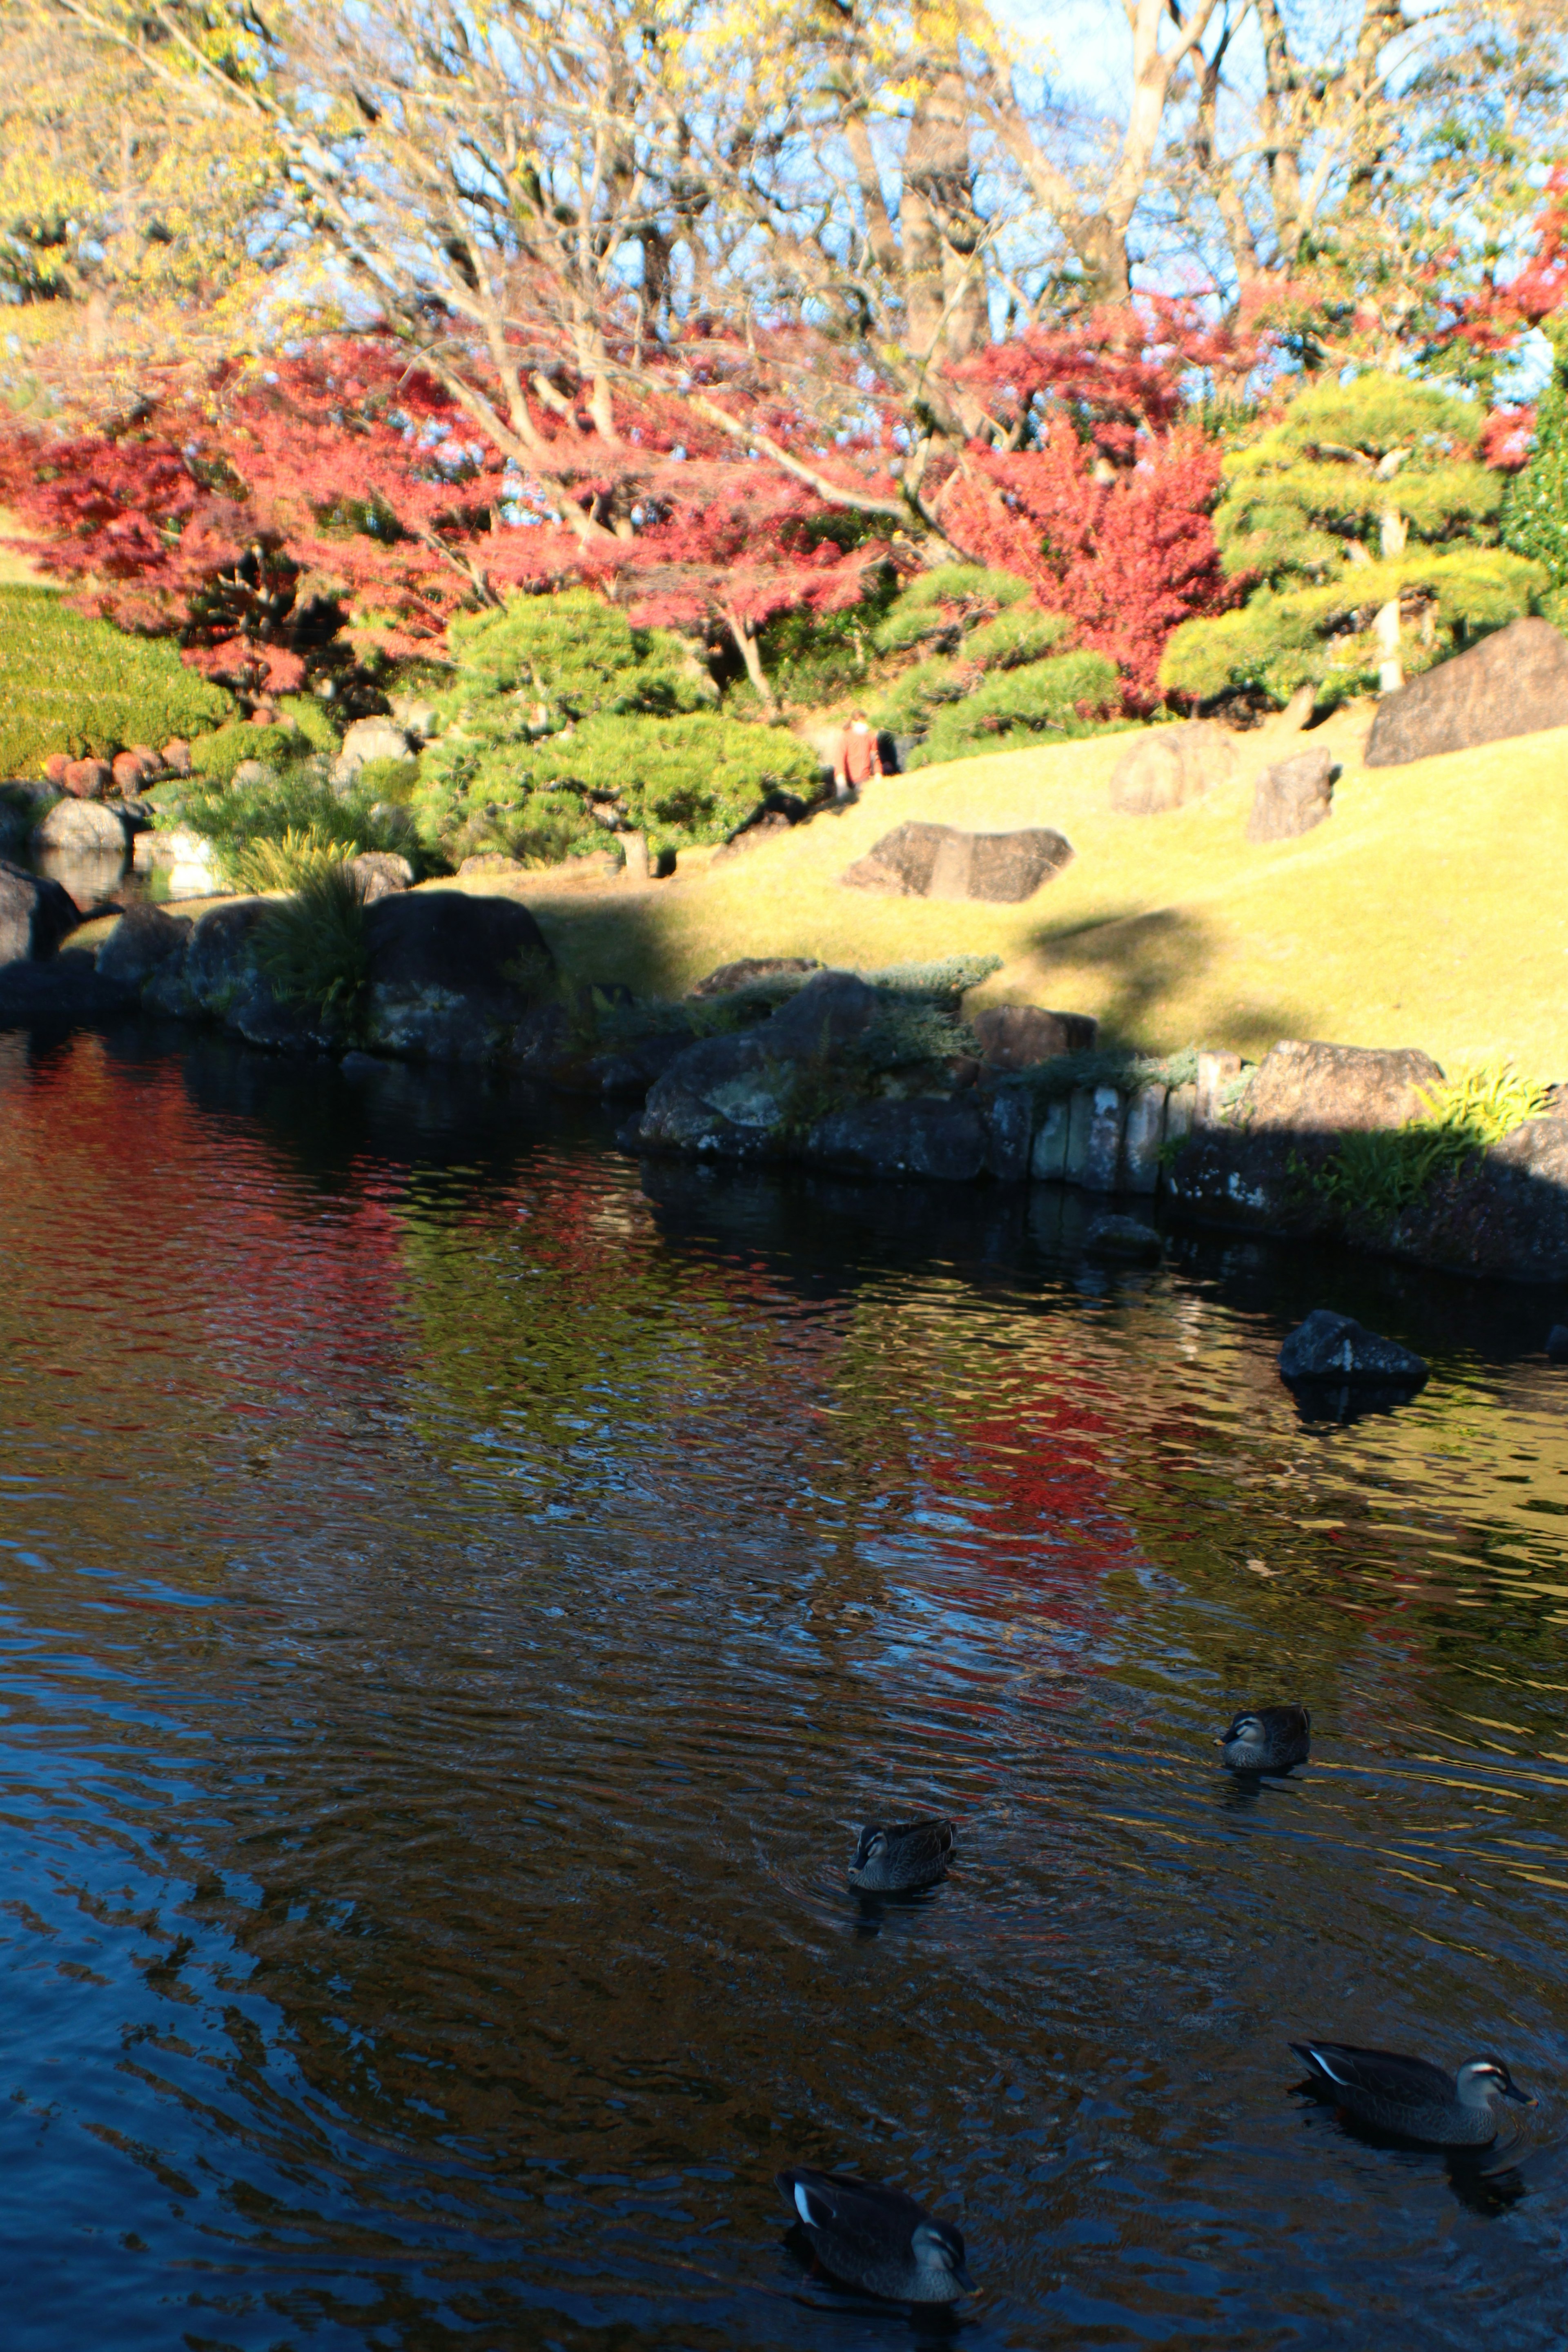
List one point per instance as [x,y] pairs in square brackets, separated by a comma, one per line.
[1429,909]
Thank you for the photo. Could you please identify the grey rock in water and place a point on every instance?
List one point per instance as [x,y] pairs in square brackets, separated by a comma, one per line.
[82,825]
[35,916]
[1514,682]
[1291,797]
[1127,1237]
[1170,766]
[1336,1349]
[938,861]
[1019,1036]
[142,942]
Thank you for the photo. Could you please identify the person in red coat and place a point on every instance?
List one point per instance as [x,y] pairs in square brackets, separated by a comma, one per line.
[855,756]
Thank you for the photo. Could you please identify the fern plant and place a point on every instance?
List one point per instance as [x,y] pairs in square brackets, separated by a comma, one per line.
[1373,1178]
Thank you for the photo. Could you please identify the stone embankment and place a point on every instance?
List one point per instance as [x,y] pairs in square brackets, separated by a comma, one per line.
[776,1061]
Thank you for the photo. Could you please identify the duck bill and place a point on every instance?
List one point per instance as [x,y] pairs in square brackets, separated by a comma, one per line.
[1520,2098]
[964,2281]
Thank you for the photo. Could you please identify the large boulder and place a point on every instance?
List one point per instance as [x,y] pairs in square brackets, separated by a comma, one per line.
[218,969]
[1514,682]
[752,1093]
[1504,1212]
[747,970]
[83,827]
[1292,796]
[142,942]
[452,976]
[938,861]
[35,916]
[63,989]
[379,872]
[368,739]
[1303,1089]
[1018,1037]
[1170,766]
[947,1141]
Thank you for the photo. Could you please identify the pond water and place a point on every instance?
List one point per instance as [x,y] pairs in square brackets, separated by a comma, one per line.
[460,1595]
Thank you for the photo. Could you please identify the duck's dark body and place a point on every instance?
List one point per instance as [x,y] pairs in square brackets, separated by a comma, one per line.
[874,2237]
[1267,1739]
[900,1857]
[1410,2098]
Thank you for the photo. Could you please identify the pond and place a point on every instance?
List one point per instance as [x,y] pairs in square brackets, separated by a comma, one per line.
[461,1594]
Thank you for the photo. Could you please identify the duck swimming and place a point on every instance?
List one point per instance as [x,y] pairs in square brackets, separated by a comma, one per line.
[899,1857]
[1267,1739]
[1408,2097]
[874,2237]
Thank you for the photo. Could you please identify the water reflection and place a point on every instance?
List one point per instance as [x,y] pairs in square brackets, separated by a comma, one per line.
[460,1595]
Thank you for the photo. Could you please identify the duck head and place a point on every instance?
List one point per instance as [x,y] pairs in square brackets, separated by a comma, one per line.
[1481,2080]
[938,2246]
[873,1841]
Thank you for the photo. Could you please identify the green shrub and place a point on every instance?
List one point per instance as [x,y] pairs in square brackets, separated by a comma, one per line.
[388,780]
[1370,1179]
[310,715]
[907,708]
[1364,499]
[216,757]
[949,597]
[1026,635]
[1535,503]
[1014,707]
[68,684]
[624,739]
[234,821]
[313,949]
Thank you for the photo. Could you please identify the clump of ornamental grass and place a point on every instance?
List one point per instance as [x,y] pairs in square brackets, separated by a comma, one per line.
[301,855]
[1374,1178]
[312,949]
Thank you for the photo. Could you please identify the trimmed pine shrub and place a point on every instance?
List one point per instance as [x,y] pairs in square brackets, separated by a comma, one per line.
[71,685]
[216,757]
[1365,497]
[564,721]
[1070,694]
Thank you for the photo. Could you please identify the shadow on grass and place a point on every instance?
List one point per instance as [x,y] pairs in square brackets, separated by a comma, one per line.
[638,939]
[1147,960]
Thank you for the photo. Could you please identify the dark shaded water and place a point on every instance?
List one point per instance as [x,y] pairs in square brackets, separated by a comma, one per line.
[455,1605]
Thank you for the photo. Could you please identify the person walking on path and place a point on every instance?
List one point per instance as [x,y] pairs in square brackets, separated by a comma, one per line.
[855,756]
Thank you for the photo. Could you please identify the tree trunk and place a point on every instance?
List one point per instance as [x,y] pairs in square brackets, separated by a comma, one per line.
[745,639]
[1390,670]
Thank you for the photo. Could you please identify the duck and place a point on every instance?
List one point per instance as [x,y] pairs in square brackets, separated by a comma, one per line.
[1267,1739]
[1408,2096]
[899,1857]
[875,2237]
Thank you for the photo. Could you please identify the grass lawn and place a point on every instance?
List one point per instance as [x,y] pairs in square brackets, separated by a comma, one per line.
[1429,909]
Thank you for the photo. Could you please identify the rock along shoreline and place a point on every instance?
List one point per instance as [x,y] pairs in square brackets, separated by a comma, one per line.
[774,1061]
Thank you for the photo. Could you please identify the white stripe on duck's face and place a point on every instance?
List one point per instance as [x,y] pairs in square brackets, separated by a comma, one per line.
[816,2221]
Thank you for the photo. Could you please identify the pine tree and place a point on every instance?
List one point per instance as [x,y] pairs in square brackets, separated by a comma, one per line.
[1370,527]
[1536,505]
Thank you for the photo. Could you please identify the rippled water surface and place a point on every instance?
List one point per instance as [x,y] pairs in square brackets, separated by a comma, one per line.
[459,1594]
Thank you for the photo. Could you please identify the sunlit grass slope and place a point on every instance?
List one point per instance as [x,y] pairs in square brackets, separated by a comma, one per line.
[1429,909]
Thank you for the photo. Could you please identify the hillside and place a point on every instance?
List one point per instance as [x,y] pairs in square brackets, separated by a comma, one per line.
[1427,910]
